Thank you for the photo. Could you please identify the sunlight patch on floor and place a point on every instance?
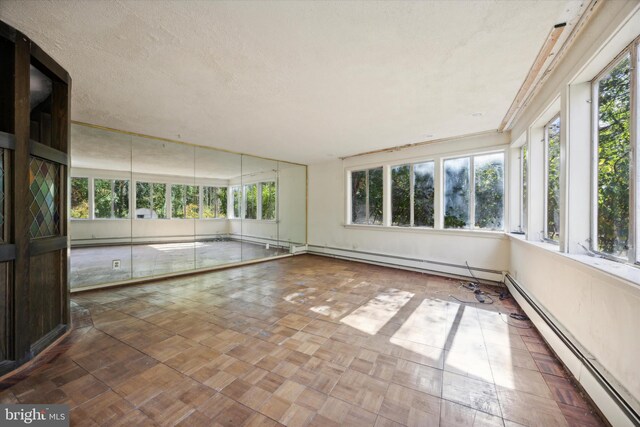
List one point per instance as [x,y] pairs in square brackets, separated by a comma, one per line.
[372,316]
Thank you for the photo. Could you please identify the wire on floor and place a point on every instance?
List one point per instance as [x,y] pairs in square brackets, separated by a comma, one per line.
[516,316]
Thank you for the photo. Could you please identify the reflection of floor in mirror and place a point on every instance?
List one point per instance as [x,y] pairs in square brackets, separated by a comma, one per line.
[302,341]
[95,265]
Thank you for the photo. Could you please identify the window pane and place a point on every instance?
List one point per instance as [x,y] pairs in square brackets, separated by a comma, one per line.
[269,200]
[375,196]
[525,199]
[177,201]
[359,197]
[251,210]
[80,198]
[143,200]
[237,202]
[193,201]
[208,202]
[121,198]
[423,195]
[553,180]
[401,195]
[456,193]
[159,200]
[102,195]
[221,195]
[614,148]
[489,191]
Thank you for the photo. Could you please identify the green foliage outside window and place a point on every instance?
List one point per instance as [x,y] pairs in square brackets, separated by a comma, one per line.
[143,195]
[456,193]
[120,198]
[251,207]
[553,180]
[192,202]
[80,198]
[177,201]
[102,198]
[424,193]
[401,195]
[614,155]
[268,200]
[375,196]
[214,202]
[359,197]
[489,191]
[159,193]
[237,202]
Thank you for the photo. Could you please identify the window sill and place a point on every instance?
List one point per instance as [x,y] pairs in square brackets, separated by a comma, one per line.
[424,230]
[618,270]
[268,221]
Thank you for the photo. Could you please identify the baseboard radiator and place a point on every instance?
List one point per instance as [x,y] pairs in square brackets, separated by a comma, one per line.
[458,271]
[615,403]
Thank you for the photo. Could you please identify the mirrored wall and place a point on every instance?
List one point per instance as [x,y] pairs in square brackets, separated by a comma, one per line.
[143,207]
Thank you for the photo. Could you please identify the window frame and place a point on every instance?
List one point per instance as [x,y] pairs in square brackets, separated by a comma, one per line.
[472,190]
[524,202]
[412,183]
[545,201]
[633,254]
[368,203]
[151,199]
[260,211]
[89,193]
[112,199]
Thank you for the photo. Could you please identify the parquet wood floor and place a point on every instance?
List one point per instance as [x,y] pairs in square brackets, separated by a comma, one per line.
[303,341]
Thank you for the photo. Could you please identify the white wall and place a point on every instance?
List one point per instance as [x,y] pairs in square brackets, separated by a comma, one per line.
[596,301]
[599,310]
[327,207]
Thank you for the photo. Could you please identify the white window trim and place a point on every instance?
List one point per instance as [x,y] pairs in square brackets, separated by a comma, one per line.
[633,254]
[412,194]
[438,190]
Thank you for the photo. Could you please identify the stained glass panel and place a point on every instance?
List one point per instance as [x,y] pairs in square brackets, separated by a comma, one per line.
[43,186]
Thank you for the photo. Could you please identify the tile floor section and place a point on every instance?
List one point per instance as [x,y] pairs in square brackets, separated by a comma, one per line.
[287,342]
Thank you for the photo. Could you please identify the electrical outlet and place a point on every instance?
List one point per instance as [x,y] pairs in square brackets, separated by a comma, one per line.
[116,264]
[267,246]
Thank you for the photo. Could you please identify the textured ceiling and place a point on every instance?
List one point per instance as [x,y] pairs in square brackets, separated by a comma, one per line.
[297,81]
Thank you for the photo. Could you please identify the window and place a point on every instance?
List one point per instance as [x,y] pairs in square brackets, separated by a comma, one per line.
[251,201]
[412,195]
[457,193]
[489,191]
[111,198]
[80,198]
[613,153]
[236,192]
[214,202]
[192,202]
[185,201]
[268,199]
[177,201]
[484,202]
[151,200]
[366,196]
[552,180]
[524,165]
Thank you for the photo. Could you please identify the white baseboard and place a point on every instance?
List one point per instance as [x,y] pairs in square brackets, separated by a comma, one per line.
[613,401]
[413,264]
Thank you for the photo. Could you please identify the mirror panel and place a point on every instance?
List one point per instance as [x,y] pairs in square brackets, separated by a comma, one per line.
[166,203]
[144,207]
[101,201]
